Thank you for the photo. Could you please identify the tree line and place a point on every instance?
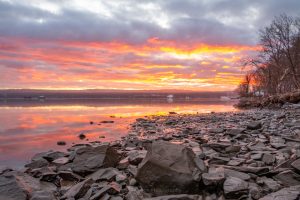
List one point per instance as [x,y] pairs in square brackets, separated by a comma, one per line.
[276,67]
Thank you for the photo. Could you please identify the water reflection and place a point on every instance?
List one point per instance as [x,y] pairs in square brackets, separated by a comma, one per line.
[28,127]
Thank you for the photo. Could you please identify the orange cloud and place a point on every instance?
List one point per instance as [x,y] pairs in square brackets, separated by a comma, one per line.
[156,64]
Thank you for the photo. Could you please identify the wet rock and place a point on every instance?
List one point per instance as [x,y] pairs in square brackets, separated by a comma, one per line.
[235,187]
[169,169]
[136,157]
[254,125]
[107,122]
[290,193]
[89,159]
[82,136]
[53,155]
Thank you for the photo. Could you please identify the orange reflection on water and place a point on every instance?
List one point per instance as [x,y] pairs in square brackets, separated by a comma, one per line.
[26,129]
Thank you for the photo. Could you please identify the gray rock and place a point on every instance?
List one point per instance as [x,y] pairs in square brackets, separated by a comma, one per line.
[254,125]
[136,157]
[235,187]
[90,159]
[53,155]
[19,186]
[296,165]
[290,193]
[169,169]
[61,161]
[42,195]
[77,191]
[269,159]
[38,163]
[234,132]
[107,174]
[237,174]
[177,197]
[214,178]
[288,178]
[69,176]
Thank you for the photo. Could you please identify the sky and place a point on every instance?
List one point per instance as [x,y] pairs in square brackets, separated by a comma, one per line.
[131,44]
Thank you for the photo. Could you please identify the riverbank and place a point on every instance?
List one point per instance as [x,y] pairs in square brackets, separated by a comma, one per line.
[253,154]
[274,101]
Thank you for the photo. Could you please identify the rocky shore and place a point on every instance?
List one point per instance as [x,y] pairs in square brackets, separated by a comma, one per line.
[252,154]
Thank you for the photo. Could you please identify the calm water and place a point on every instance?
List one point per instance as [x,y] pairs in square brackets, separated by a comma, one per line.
[29,127]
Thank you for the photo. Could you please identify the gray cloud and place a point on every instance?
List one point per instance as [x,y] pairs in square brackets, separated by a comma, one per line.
[215,22]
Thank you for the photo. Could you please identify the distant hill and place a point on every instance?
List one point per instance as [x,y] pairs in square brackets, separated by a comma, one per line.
[106,94]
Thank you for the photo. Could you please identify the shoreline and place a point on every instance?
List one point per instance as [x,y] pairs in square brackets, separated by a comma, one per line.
[233,155]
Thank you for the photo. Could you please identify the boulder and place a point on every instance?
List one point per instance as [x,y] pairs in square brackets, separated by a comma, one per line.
[19,186]
[42,195]
[170,169]
[235,187]
[90,159]
[290,193]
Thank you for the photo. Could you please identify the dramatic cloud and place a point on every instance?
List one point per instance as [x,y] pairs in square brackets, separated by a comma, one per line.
[130,44]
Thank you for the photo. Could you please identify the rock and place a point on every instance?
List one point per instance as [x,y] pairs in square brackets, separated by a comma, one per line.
[170,169]
[215,178]
[254,125]
[219,146]
[136,157]
[132,182]
[177,197]
[89,159]
[290,193]
[53,155]
[38,163]
[18,186]
[42,195]
[107,122]
[236,174]
[219,160]
[108,189]
[269,159]
[107,174]
[123,164]
[61,143]
[61,161]
[48,177]
[235,132]
[271,185]
[69,176]
[249,169]
[235,187]
[288,178]
[296,165]
[77,191]
[82,136]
